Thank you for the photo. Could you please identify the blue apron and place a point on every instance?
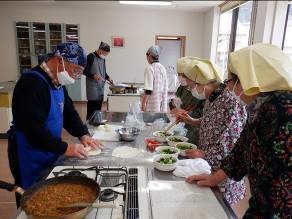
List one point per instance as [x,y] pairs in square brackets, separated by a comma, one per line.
[34,163]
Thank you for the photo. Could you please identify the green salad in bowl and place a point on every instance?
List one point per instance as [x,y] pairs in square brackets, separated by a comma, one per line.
[162,135]
[167,150]
[165,162]
[182,147]
[173,140]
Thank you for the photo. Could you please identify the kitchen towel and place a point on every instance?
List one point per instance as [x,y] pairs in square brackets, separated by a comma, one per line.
[191,167]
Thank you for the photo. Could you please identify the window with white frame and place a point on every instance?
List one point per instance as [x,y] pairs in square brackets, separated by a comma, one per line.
[243,26]
[287,39]
[223,39]
[235,29]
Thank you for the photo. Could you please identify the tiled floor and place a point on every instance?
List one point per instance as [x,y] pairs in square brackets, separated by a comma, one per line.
[7,201]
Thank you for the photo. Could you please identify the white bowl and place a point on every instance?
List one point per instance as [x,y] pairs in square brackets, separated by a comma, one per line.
[182,150]
[159,137]
[162,166]
[173,143]
[160,150]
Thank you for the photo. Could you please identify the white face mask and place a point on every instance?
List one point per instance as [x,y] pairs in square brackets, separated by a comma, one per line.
[182,81]
[196,94]
[102,56]
[64,77]
[237,97]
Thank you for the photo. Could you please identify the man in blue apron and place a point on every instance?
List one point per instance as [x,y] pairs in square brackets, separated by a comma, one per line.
[96,76]
[41,108]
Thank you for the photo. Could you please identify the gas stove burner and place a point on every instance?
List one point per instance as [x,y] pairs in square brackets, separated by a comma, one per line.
[108,195]
[75,173]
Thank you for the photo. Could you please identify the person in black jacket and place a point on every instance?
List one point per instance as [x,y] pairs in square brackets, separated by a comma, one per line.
[96,76]
[41,108]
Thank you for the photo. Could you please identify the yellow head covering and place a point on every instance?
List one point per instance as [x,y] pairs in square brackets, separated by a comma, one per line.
[261,68]
[202,71]
[181,64]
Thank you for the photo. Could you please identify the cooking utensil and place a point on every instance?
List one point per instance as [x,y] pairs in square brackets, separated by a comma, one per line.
[26,195]
[188,109]
[118,88]
[128,134]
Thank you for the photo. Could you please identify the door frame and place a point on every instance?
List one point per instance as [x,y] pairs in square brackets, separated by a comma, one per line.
[173,37]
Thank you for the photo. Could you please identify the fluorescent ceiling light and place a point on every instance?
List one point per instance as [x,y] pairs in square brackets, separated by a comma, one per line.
[22,27]
[160,3]
[167,38]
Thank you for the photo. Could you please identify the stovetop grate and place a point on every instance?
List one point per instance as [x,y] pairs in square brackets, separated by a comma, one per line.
[132,198]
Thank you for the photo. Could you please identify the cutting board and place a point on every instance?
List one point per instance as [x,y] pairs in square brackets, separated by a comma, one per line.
[181,200]
[103,134]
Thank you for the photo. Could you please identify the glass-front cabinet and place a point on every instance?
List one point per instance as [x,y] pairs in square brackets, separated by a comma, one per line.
[72,33]
[55,35]
[39,41]
[35,39]
[24,46]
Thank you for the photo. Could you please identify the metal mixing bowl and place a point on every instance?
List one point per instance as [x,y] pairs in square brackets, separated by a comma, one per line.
[128,134]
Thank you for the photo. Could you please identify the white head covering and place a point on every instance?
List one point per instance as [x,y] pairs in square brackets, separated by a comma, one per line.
[202,71]
[261,68]
[154,51]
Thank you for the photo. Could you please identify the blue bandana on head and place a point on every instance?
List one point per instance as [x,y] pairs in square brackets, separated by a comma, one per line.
[72,52]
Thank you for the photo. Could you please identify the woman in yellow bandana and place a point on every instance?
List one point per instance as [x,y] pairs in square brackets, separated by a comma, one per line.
[221,123]
[184,95]
[263,81]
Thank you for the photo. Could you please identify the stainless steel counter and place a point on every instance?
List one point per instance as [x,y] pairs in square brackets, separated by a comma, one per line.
[105,158]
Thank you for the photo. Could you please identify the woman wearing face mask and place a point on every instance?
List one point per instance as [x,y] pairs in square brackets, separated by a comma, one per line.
[41,108]
[96,77]
[221,124]
[263,151]
[186,99]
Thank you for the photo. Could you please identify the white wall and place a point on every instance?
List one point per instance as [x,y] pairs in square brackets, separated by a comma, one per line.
[138,25]
[211,28]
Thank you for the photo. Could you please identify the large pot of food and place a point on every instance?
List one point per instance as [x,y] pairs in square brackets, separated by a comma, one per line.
[50,198]
[118,88]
